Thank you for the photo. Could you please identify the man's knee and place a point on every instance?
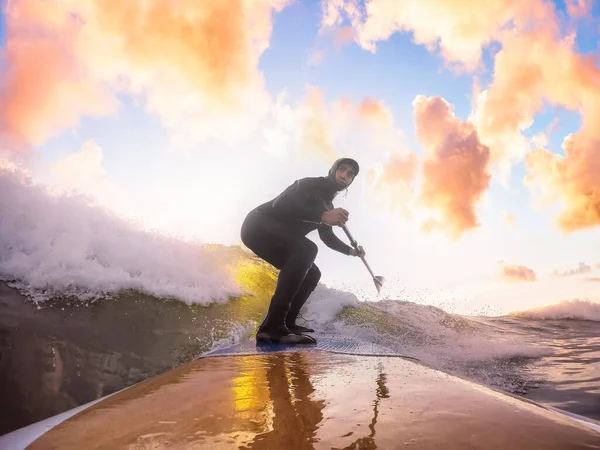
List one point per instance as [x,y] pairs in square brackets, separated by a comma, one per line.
[313,275]
[309,250]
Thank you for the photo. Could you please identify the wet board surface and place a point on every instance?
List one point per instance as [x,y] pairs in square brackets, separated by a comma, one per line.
[325,342]
[314,400]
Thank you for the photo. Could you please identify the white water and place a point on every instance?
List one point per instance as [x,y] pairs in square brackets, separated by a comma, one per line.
[431,334]
[568,309]
[58,243]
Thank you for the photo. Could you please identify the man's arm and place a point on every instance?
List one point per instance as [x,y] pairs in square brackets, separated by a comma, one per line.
[332,241]
[293,201]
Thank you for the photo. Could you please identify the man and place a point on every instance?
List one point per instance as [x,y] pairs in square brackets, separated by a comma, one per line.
[276,232]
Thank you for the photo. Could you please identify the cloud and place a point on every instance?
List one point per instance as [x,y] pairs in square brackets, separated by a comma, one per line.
[459,30]
[316,132]
[43,86]
[572,179]
[343,36]
[194,64]
[525,75]
[316,57]
[324,129]
[509,218]
[372,110]
[517,273]
[526,79]
[579,8]
[581,269]
[392,183]
[81,172]
[455,166]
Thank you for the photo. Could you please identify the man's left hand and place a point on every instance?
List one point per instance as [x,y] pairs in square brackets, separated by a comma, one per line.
[360,253]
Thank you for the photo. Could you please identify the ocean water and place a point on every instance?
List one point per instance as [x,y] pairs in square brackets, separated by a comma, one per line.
[90,303]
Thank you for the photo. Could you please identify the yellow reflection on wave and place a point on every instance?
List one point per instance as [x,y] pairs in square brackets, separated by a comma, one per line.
[255,276]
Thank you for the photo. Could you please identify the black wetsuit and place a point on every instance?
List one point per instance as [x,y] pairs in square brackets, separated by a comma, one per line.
[276,231]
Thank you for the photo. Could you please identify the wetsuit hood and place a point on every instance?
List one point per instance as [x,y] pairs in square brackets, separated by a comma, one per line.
[334,167]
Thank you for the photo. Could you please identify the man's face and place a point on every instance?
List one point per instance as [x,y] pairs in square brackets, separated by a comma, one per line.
[344,174]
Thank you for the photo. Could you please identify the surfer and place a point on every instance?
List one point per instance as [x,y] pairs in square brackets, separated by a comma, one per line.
[276,232]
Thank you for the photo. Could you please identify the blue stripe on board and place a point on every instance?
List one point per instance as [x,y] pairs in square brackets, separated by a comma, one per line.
[328,343]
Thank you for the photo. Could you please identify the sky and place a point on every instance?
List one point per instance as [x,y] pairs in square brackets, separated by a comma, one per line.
[474,126]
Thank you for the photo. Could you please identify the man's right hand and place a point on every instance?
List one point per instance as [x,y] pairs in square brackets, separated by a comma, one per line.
[335,217]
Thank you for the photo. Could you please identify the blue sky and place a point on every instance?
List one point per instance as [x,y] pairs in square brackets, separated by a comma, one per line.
[2,22]
[213,186]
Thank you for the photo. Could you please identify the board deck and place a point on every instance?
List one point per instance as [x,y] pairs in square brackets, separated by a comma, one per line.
[314,399]
[325,342]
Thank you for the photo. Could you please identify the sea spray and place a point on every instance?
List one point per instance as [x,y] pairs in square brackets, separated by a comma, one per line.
[65,245]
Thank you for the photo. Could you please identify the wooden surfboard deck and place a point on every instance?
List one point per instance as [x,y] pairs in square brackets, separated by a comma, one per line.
[304,398]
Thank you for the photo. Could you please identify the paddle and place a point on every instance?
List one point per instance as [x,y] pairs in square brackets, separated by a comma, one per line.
[376,279]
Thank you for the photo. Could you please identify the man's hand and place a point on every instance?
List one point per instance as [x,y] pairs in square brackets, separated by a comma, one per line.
[335,217]
[360,253]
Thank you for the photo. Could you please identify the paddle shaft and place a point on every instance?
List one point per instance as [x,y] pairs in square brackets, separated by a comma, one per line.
[355,245]
[378,280]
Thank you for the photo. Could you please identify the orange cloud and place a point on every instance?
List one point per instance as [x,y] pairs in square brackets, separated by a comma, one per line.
[525,74]
[343,36]
[455,173]
[43,87]
[192,63]
[573,179]
[392,182]
[579,8]
[517,273]
[371,109]
[331,129]
[523,80]
[526,78]
[316,133]
[509,218]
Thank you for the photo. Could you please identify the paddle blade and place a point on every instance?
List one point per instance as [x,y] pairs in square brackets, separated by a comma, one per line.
[378,283]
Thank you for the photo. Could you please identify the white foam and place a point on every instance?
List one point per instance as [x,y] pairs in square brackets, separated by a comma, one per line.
[237,334]
[449,342]
[58,243]
[326,303]
[567,309]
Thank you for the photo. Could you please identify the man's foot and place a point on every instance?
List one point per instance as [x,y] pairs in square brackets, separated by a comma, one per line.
[264,337]
[299,329]
[281,334]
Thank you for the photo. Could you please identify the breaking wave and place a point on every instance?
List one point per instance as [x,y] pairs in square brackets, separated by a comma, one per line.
[567,309]
[55,244]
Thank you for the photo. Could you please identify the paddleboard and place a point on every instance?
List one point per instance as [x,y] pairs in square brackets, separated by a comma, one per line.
[341,393]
